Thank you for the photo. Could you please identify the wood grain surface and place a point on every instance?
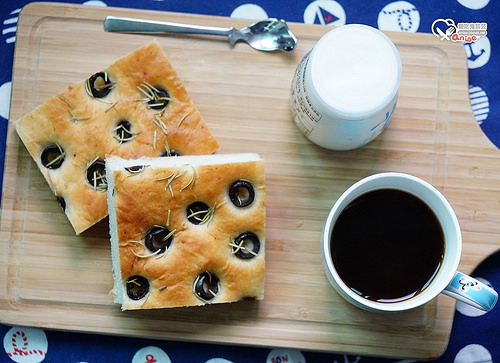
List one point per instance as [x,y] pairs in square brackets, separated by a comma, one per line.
[51,278]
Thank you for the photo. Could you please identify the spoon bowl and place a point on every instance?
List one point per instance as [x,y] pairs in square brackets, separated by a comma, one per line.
[266,35]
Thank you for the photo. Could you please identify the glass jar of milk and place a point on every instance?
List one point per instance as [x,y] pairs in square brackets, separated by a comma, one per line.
[345,89]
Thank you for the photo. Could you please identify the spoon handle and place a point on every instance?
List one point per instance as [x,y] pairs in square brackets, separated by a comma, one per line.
[129,25]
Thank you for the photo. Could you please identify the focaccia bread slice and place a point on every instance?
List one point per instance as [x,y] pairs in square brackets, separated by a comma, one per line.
[136,107]
[188,230]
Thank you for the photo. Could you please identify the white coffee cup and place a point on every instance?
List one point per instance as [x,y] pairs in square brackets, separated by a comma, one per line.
[446,280]
[345,90]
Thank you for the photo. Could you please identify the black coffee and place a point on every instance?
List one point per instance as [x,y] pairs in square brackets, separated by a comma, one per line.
[387,245]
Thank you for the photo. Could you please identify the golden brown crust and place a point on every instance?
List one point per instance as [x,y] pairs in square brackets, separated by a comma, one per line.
[160,197]
[85,128]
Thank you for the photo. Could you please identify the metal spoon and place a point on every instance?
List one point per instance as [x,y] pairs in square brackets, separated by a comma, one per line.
[266,35]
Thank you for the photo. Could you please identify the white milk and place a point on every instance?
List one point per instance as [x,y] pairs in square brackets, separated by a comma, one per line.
[345,90]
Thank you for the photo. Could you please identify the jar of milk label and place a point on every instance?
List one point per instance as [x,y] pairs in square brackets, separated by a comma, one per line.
[345,89]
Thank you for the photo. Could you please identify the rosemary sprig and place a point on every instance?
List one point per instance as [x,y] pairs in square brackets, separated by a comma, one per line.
[110,85]
[110,107]
[134,171]
[182,119]
[66,102]
[144,247]
[152,96]
[209,290]
[61,155]
[159,122]
[240,247]
[120,134]
[193,179]
[97,177]
[77,118]
[207,214]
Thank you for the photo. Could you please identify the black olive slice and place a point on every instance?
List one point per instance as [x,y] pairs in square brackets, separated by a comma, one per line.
[124,131]
[246,245]
[136,169]
[99,85]
[137,287]
[96,175]
[198,213]
[159,238]
[159,98]
[171,152]
[241,193]
[206,286]
[61,201]
[52,156]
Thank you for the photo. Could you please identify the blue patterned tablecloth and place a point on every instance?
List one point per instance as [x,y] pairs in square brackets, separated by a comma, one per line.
[475,336]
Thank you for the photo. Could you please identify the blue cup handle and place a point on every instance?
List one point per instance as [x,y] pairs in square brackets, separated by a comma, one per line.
[471,291]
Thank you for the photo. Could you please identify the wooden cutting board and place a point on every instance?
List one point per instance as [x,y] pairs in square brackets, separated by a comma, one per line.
[51,278]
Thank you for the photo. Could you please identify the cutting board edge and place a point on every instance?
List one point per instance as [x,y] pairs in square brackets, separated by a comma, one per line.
[122,9]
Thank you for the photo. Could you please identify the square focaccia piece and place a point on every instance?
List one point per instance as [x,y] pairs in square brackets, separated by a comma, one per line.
[136,107]
[188,230]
